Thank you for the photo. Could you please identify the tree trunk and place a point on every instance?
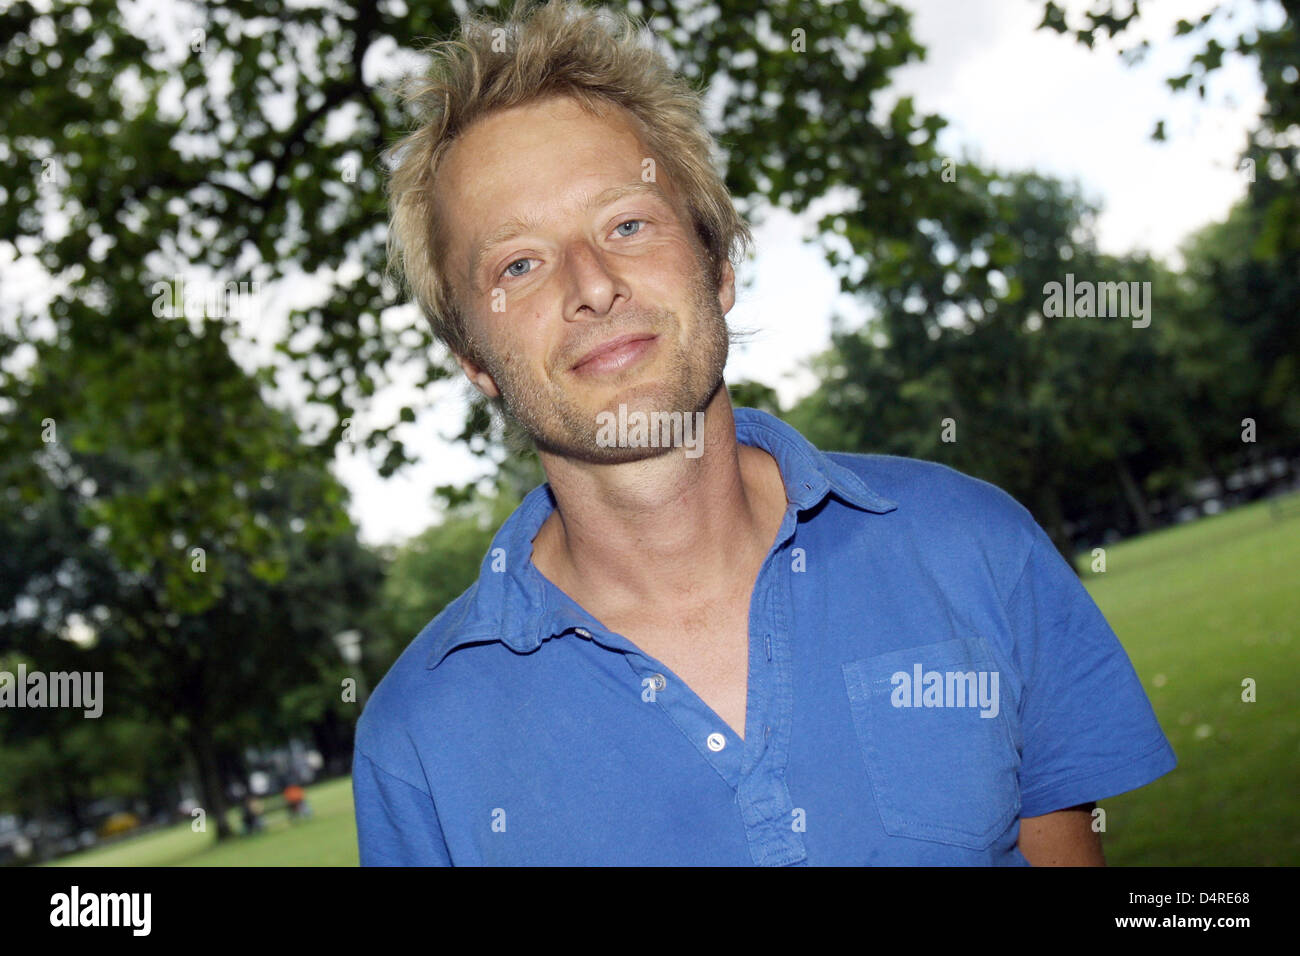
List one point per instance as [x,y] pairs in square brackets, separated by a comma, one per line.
[67,774]
[1137,503]
[212,793]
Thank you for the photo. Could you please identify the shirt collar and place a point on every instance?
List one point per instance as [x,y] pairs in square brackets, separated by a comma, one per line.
[512,602]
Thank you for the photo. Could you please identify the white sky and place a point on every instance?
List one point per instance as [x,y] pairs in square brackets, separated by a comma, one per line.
[1014,97]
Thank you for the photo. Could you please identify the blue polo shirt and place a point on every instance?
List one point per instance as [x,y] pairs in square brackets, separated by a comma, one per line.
[924,670]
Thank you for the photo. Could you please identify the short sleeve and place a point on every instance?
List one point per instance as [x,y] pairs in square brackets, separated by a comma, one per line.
[1087,727]
[397,823]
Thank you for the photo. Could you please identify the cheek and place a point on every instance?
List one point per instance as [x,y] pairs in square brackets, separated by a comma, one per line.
[523,348]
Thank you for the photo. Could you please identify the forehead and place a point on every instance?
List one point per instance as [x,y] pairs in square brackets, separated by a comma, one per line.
[533,161]
[548,139]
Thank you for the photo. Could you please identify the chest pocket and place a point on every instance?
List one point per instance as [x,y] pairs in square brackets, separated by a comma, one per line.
[939,771]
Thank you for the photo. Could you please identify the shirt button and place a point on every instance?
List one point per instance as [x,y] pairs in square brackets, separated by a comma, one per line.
[658,682]
[716,742]
[582,632]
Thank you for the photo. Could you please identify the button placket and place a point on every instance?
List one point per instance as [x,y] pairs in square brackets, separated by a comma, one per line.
[764,796]
[689,714]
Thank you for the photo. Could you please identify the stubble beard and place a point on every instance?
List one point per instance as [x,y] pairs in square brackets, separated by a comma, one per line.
[555,419]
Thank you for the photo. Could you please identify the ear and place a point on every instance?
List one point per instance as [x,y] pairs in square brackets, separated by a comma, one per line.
[727,287]
[480,379]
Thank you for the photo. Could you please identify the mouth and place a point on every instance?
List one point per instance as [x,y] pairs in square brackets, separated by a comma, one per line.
[615,354]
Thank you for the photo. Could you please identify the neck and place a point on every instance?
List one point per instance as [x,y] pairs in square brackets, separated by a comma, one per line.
[637,536]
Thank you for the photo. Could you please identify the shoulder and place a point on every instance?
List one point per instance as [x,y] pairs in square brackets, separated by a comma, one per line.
[949,514]
[934,487]
[407,691]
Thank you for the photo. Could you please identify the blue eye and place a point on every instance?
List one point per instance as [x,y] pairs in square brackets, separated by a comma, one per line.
[629,223]
[516,275]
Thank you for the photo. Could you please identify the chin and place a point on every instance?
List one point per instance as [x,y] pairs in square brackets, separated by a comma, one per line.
[659,396]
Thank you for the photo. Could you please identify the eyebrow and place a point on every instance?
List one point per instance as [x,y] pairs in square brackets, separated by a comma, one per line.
[517,226]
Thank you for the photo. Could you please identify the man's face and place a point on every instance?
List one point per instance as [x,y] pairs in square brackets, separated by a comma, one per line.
[596,253]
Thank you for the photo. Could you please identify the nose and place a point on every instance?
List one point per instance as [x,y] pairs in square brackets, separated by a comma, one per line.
[595,284]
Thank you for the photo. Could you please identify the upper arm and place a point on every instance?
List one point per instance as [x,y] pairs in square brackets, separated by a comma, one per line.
[1068,659]
[1062,838]
[397,823]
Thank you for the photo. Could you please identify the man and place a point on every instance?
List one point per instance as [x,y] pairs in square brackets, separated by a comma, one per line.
[757,654]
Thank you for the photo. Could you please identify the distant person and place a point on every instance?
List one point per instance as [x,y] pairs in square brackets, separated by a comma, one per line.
[252,813]
[731,649]
[295,799]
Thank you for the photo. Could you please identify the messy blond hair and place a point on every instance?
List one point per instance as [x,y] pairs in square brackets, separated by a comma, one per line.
[562,48]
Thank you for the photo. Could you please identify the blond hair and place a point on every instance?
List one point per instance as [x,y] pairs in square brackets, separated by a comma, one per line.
[562,48]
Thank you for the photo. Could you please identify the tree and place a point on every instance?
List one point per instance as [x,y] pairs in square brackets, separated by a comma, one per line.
[250,151]
[204,616]
[1244,270]
[966,365]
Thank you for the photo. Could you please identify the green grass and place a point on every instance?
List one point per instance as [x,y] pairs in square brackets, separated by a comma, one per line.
[329,838]
[1198,607]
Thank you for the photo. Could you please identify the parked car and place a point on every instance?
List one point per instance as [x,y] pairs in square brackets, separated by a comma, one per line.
[118,823]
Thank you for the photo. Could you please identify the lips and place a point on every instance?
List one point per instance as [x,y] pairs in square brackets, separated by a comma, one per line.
[612,345]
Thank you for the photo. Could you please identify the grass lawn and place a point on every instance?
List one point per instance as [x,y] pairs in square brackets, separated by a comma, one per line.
[329,838]
[1198,607]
